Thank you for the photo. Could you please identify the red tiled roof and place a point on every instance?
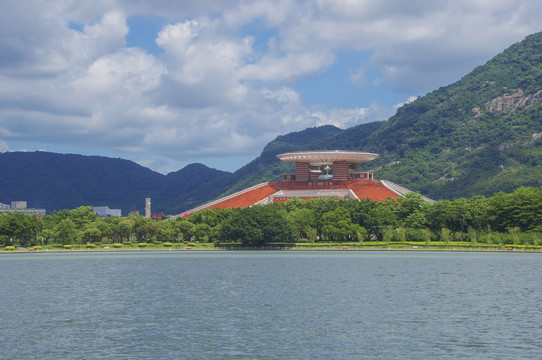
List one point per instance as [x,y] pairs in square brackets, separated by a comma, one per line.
[369,189]
[248,198]
[363,188]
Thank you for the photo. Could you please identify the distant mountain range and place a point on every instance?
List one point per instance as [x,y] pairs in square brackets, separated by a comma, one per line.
[480,135]
[66,181]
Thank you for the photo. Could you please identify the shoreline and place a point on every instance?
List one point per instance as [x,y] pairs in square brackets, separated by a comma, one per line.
[338,248]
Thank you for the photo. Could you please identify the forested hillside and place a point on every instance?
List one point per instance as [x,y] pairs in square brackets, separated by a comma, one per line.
[66,181]
[479,135]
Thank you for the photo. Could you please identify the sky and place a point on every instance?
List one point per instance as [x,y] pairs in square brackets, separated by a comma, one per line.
[168,83]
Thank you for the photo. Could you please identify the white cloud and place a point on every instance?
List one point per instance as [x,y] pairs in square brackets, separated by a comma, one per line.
[281,68]
[407,101]
[224,84]
[358,78]
[4,146]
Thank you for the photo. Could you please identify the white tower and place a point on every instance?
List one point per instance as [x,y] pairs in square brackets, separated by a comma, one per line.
[147,207]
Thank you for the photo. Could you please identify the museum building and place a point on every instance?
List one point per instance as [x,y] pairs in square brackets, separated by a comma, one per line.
[318,174]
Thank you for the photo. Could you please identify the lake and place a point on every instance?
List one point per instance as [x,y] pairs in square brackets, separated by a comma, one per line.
[271,305]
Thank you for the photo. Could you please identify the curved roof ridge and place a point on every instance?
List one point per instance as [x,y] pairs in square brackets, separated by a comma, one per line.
[222,199]
[399,190]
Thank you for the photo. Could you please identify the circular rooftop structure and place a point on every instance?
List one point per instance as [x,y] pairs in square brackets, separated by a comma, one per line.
[327,157]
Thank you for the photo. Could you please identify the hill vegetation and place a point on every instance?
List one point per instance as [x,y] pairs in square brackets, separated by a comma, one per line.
[66,181]
[479,135]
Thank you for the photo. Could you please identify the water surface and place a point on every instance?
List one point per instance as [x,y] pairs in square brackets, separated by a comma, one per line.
[271,305]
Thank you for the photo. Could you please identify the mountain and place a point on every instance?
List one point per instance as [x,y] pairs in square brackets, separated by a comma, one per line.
[66,181]
[479,135]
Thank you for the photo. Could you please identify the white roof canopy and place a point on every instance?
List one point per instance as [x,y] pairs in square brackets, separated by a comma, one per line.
[327,157]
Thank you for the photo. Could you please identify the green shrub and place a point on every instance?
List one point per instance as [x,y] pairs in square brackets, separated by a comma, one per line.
[117,245]
[167,244]
[414,235]
[98,243]
[128,243]
[142,245]
[91,246]
[37,247]
[67,246]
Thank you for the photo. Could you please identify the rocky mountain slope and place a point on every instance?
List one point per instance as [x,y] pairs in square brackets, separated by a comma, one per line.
[479,135]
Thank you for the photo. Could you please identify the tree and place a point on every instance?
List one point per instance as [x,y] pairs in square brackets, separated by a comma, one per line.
[416,220]
[374,216]
[388,234]
[66,232]
[409,204]
[337,225]
[170,231]
[124,229]
[185,228]
[445,235]
[257,226]
[439,215]
[91,234]
[202,231]
[522,208]
[302,220]
[145,229]
[19,226]
[82,216]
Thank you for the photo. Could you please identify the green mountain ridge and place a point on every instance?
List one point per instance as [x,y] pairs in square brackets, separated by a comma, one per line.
[479,135]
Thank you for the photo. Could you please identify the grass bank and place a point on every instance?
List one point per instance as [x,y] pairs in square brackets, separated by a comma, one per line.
[335,246]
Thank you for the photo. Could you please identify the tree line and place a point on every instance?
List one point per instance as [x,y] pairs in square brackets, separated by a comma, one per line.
[505,218]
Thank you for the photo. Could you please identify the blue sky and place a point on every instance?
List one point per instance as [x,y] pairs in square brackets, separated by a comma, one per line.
[167,84]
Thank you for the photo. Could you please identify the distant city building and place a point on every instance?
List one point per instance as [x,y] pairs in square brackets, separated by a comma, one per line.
[157,215]
[20,207]
[147,207]
[104,211]
[134,212]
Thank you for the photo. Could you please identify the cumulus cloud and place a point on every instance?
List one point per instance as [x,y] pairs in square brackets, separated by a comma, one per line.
[407,101]
[224,84]
[4,146]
